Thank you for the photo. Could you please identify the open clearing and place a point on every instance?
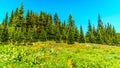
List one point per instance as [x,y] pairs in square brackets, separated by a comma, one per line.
[59,55]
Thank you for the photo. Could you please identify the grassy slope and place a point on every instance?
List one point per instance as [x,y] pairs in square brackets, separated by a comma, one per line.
[59,55]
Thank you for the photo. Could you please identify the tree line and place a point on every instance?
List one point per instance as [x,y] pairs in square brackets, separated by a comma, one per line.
[34,27]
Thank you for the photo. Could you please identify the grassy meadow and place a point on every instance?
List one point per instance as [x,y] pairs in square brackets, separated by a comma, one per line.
[59,55]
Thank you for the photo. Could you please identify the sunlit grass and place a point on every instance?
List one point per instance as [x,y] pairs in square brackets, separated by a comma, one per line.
[59,55]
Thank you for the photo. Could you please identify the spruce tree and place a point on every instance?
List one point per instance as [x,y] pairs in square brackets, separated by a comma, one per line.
[109,33]
[1,32]
[49,27]
[70,39]
[100,23]
[81,38]
[5,34]
[21,17]
[90,36]
[70,30]
[57,28]
[76,35]
[94,33]
[56,20]
[43,35]
[99,39]
[42,20]
[15,20]
[64,32]
[58,35]
[100,31]
[37,29]
[115,38]
[11,18]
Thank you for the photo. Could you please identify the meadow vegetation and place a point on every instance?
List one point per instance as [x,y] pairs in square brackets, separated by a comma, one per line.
[59,55]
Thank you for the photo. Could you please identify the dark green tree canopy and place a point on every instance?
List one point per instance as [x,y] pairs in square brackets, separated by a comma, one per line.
[33,27]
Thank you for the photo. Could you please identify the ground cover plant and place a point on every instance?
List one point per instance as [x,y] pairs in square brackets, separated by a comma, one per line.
[59,55]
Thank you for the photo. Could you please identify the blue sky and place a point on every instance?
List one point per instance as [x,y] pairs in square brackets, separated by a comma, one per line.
[81,10]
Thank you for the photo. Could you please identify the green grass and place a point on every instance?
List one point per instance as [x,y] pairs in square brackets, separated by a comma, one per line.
[59,55]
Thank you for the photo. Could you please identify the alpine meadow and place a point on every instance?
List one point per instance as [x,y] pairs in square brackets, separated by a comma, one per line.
[30,39]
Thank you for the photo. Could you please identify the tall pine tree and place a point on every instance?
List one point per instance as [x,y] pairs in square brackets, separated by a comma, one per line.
[70,39]
[90,36]
[82,38]
[5,35]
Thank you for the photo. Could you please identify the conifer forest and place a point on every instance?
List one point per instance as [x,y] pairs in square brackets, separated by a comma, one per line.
[34,27]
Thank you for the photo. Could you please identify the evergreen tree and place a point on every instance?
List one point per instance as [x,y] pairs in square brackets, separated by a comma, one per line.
[15,19]
[1,32]
[29,21]
[70,30]
[21,17]
[109,33]
[56,20]
[94,33]
[100,23]
[64,36]
[42,20]
[70,36]
[5,35]
[6,21]
[90,36]
[100,31]
[82,38]
[64,32]
[43,35]
[19,23]
[76,35]
[37,29]
[49,28]
[58,36]
[99,38]
[11,18]
[57,28]
[115,38]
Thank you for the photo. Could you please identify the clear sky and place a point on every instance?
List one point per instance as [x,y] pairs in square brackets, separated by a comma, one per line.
[82,10]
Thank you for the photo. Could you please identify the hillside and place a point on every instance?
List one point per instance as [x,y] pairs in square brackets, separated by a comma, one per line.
[59,55]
